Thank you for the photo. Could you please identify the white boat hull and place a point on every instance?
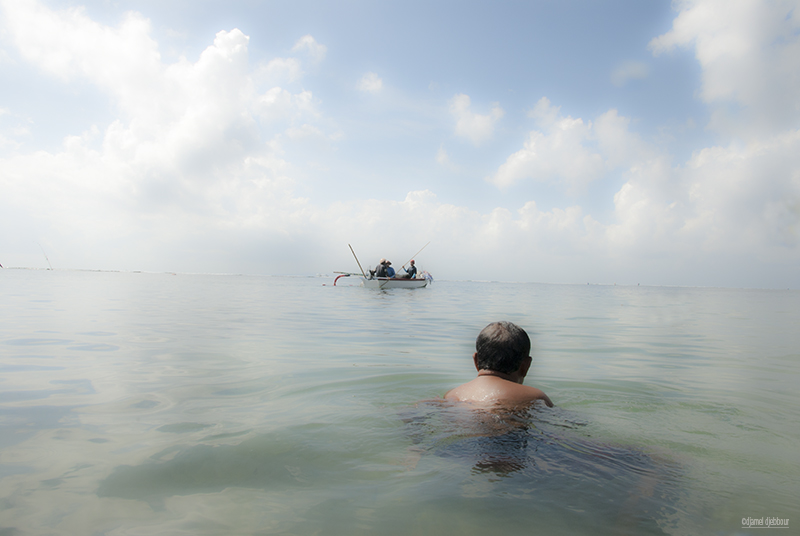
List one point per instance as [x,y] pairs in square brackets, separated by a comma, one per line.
[383,282]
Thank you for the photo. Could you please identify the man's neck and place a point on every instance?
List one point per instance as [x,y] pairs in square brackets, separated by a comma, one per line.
[501,375]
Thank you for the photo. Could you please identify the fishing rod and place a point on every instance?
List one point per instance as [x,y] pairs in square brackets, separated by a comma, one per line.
[415,254]
[359,264]
[45,256]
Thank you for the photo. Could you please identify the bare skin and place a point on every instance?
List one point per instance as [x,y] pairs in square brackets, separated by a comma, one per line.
[498,388]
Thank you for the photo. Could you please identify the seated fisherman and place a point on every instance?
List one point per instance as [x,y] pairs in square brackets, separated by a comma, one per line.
[502,360]
[411,271]
[389,270]
[381,271]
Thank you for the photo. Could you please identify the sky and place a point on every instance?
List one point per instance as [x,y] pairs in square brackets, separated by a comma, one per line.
[619,142]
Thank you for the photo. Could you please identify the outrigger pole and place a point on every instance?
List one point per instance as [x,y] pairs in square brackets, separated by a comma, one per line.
[359,264]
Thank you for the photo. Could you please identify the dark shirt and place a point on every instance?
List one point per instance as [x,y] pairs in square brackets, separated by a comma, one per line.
[411,271]
[381,271]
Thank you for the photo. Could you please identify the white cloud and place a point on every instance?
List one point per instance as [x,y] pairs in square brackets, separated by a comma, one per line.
[725,200]
[278,104]
[305,131]
[186,154]
[67,45]
[629,70]
[618,145]
[545,114]
[747,196]
[741,199]
[309,45]
[564,152]
[475,127]
[444,160]
[281,70]
[370,83]
[572,151]
[749,51]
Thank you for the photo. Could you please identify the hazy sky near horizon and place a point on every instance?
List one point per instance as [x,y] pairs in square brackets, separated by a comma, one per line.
[552,141]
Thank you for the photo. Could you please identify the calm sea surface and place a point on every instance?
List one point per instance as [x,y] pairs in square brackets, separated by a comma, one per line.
[147,404]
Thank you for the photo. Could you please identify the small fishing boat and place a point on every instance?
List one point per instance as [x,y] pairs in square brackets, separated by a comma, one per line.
[370,281]
[387,283]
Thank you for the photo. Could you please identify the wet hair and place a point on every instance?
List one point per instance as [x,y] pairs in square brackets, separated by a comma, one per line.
[501,347]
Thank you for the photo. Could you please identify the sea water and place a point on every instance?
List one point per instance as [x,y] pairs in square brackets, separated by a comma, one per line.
[141,403]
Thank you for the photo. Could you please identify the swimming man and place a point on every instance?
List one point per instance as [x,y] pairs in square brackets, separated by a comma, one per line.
[502,359]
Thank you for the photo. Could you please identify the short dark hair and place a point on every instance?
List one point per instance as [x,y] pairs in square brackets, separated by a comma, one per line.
[501,347]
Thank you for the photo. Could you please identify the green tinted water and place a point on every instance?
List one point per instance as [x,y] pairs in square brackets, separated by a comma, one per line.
[190,404]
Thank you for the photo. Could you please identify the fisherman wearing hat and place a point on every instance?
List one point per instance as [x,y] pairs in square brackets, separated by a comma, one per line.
[382,269]
[389,269]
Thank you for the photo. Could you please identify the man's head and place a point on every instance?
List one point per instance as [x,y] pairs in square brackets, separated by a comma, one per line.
[383,261]
[502,347]
[412,262]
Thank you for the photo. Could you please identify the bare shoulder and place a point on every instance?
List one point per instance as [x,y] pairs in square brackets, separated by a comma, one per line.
[496,391]
[460,393]
[531,394]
